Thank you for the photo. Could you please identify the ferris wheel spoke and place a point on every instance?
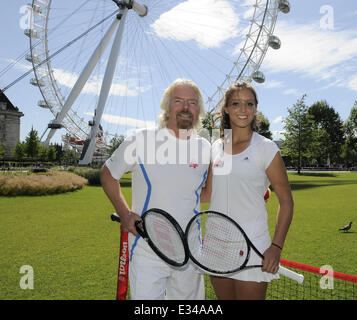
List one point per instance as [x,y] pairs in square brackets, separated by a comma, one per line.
[107,80]
[82,79]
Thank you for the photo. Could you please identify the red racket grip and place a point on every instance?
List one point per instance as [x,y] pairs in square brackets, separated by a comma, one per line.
[123,266]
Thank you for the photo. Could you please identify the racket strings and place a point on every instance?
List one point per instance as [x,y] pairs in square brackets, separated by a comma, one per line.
[219,245]
[165,237]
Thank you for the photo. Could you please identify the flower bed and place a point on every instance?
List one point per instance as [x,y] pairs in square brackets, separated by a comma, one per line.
[36,184]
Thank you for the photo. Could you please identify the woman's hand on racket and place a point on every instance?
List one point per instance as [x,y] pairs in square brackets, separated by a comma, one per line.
[271,260]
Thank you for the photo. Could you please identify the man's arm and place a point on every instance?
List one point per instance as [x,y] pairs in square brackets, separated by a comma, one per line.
[111,188]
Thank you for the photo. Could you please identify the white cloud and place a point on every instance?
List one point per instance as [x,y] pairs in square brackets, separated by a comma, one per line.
[68,79]
[65,78]
[124,121]
[278,134]
[293,92]
[273,84]
[208,22]
[249,13]
[352,83]
[278,119]
[18,65]
[118,88]
[316,53]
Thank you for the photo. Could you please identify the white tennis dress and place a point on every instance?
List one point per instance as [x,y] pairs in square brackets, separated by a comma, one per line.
[238,188]
[167,173]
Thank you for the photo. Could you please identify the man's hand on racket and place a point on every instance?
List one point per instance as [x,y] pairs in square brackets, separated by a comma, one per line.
[128,222]
[271,259]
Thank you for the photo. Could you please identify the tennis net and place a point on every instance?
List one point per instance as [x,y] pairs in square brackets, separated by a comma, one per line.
[319,284]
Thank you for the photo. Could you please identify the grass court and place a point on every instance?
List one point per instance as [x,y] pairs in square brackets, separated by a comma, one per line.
[72,245]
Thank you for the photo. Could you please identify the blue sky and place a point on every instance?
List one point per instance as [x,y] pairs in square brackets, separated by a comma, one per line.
[318,57]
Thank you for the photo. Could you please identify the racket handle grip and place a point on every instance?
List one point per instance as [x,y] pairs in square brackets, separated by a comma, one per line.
[291,274]
[115,217]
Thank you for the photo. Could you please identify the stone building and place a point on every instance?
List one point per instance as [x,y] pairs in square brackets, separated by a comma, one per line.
[9,124]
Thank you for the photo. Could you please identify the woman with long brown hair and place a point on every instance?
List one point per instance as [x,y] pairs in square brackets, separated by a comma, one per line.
[252,163]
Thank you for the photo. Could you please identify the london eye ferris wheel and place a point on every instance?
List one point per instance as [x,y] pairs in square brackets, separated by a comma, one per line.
[115,58]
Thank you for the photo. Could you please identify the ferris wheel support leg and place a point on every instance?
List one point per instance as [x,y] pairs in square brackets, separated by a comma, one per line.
[83,78]
[104,92]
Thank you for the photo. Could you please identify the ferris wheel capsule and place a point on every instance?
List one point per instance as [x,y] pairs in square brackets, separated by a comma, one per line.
[284,6]
[54,125]
[258,76]
[43,104]
[274,42]
[37,82]
[31,33]
[33,58]
[36,8]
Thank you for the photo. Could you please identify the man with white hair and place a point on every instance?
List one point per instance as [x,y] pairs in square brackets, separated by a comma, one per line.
[169,166]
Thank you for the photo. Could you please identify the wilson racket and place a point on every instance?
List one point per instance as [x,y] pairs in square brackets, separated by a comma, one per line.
[163,234]
[217,244]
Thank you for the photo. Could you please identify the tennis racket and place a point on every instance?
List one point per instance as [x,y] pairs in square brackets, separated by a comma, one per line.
[220,246]
[163,234]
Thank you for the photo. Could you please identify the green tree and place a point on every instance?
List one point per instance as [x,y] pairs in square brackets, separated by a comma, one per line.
[115,143]
[318,149]
[209,124]
[32,143]
[263,126]
[70,156]
[298,133]
[42,152]
[59,151]
[20,150]
[2,149]
[51,153]
[349,149]
[328,132]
